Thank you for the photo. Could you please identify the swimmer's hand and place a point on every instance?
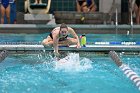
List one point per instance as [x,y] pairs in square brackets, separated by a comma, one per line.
[47,45]
[78,46]
[56,54]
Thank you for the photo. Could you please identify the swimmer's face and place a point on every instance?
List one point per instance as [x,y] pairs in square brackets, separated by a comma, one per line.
[64,32]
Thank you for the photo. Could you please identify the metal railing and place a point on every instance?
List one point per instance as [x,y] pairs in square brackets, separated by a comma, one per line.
[131,21]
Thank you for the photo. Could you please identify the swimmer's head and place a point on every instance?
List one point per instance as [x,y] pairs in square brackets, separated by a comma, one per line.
[63,30]
[63,25]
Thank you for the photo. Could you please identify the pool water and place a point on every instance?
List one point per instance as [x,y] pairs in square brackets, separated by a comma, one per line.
[84,73]
[90,37]
[132,61]
[78,73]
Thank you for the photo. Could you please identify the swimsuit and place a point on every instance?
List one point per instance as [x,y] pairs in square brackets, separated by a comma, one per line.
[80,2]
[60,39]
[89,2]
[5,3]
[137,2]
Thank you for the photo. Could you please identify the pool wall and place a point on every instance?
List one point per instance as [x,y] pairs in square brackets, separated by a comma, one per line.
[93,29]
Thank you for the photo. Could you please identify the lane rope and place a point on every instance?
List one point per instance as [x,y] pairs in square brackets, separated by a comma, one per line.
[133,76]
[3,55]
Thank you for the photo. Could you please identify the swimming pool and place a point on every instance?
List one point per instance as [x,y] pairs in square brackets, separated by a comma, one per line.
[92,72]
[40,73]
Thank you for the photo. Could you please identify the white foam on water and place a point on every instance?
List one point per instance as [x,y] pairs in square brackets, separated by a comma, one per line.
[73,63]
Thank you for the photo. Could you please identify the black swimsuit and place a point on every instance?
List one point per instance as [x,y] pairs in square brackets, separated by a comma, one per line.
[80,2]
[60,39]
[137,2]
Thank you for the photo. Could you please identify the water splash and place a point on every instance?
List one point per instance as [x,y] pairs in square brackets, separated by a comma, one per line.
[73,63]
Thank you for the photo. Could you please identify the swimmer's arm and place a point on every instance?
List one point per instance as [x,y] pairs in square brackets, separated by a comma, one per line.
[55,44]
[72,32]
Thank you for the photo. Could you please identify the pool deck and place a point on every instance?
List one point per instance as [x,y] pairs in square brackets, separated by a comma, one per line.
[79,28]
[88,48]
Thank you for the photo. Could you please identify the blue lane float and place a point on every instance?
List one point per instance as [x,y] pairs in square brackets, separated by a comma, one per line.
[133,76]
[116,43]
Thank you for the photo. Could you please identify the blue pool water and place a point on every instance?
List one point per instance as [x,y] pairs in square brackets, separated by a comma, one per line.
[41,73]
[90,73]
[90,37]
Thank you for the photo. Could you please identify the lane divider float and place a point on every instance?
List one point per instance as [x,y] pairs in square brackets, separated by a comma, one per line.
[133,76]
[3,55]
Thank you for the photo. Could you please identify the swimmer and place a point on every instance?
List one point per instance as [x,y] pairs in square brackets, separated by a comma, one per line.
[60,37]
